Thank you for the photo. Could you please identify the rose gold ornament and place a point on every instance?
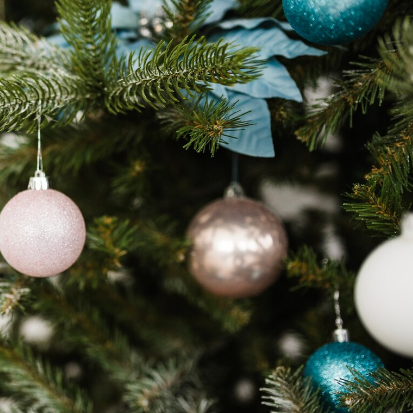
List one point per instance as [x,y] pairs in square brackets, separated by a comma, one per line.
[238,246]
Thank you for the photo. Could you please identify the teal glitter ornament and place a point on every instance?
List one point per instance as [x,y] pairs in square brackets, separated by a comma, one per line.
[332,22]
[330,364]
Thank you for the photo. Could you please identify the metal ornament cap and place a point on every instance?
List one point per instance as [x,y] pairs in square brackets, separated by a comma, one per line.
[341,335]
[239,247]
[42,232]
[39,181]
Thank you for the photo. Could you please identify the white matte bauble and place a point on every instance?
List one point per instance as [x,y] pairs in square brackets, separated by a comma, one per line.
[384,292]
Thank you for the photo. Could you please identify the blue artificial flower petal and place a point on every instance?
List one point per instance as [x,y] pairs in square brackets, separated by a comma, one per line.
[254,140]
[124,48]
[123,17]
[275,82]
[218,9]
[58,40]
[251,23]
[272,42]
[150,7]
[219,90]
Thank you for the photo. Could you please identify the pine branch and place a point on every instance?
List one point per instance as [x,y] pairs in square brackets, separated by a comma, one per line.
[163,73]
[61,98]
[23,52]
[112,238]
[261,8]
[164,387]
[82,325]
[232,315]
[90,141]
[361,88]
[380,202]
[187,16]
[203,125]
[14,293]
[373,211]
[86,26]
[304,266]
[288,392]
[154,335]
[37,385]
[13,408]
[380,392]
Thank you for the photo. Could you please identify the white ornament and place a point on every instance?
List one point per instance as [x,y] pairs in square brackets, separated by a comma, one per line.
[384,292]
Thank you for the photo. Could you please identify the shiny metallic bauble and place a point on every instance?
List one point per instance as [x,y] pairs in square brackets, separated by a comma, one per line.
[239,247]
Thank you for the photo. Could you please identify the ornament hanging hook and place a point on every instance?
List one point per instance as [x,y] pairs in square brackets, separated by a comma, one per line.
[235,189]
[39,140]
[340,335]
[39,181]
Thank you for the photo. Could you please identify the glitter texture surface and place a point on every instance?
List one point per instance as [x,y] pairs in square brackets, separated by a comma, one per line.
[332,22]
[42,233]
[238,247]
[330,363]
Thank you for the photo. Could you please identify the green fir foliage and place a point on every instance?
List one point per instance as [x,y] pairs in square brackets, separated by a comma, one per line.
[288,392]
[165,74]
[383,391]
[204,125]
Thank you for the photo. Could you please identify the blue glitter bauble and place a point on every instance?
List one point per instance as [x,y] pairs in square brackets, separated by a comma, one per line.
[333,21]
[331,363]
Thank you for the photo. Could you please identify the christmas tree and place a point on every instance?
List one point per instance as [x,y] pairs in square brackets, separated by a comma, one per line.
[146,112]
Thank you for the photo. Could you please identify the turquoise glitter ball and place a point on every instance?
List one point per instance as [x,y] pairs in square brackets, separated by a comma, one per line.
[330,364]
[331,22]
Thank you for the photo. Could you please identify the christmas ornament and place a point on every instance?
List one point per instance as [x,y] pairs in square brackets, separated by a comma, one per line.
[238,246]
[42,231]
[383,292]
[330,22]
[330,365]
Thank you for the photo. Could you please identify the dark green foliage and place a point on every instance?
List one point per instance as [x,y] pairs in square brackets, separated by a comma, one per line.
[258,8]
[304,266]
[38,385]
[288,392]
[360,89]
[23,51]
[381,392]
[86,25]
[204,125]
[187,16]
[170,73]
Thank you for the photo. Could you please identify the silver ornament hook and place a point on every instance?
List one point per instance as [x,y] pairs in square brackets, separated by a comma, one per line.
[39,181]
[341,335]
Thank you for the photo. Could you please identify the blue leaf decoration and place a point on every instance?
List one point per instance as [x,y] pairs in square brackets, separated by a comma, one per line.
[218,8]
[58,40]
[219,90]
[124,48]
[150,7]
[275,82]
[252,23]
[123,17]
[272,42]
[255,140]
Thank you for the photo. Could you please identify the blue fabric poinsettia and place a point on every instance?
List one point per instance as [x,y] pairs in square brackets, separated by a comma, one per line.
[267,34]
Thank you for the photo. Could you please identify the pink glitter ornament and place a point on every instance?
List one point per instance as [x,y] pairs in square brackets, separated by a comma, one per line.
[42,232]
